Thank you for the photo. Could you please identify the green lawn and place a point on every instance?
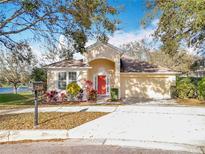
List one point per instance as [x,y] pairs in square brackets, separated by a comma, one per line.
[13,100]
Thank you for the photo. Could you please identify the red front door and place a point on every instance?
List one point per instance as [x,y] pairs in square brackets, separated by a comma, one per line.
[101,84]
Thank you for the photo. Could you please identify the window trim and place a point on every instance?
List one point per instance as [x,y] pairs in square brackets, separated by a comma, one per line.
[69,80]
[65,80]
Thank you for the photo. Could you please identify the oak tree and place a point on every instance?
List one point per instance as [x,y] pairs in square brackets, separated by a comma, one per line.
[181,22]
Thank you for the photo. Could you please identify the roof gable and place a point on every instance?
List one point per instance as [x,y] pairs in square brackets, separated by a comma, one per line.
[101,50]
[99,43]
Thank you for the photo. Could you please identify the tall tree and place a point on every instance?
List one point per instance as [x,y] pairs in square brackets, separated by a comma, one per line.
[137,49]
[14,70]
[47,20]
[38,74]
[181,61]
[181,22]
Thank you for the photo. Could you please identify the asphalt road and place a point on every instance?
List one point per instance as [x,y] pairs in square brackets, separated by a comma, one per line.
[68,147]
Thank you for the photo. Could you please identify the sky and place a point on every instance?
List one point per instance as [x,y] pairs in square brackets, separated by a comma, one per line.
[130,28]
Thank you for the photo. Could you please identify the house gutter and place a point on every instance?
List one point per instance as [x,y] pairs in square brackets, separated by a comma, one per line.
[150,73]
[71,68]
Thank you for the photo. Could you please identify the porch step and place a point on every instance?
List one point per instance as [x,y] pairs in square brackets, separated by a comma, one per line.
[102,99]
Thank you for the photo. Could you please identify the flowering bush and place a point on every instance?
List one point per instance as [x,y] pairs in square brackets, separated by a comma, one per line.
[62,96]
[53,96]
[91,93]
[80,95]
[88,86]
[73,89]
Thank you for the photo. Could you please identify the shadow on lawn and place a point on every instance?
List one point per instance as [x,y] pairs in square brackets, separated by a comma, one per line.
[16,99]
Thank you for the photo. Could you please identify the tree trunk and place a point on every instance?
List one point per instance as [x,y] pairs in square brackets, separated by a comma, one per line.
[15,88]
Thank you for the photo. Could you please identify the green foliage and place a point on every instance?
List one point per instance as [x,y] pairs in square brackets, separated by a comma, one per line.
[201,88]
[29,5]
[92,96]
[80,19]
[39,74]
[114,94]
[185,88]
[73,89]
[181,21]
[16,99]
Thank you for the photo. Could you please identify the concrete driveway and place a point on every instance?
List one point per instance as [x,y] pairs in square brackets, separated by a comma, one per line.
[163,127]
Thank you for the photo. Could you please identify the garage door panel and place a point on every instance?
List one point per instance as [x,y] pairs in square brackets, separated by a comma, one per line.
[154,88]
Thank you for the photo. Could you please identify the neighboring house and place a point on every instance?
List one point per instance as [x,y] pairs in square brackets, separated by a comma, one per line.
[198,68]
[104,66]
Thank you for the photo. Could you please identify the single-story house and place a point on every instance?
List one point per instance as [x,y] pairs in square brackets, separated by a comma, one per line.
[106,68]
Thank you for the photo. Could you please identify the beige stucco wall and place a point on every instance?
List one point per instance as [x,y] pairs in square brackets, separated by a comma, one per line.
[51,80]
[52,77]
[104,58]
[146,86]
[103,51]
[101,66]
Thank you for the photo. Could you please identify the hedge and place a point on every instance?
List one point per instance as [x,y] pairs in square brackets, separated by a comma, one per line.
[201,89]
[114,94]
[190,87]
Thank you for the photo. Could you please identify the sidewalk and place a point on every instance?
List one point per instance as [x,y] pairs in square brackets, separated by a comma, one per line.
[63,109]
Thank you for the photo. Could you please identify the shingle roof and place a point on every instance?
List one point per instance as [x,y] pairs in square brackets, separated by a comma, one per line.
[68,63]
[132,65]
[126,65]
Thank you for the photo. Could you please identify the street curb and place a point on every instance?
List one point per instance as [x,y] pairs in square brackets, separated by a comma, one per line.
[19,135]
[155,145]
[23,135]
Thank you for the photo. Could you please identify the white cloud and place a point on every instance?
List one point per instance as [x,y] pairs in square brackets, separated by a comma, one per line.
[121,37]
[36,50]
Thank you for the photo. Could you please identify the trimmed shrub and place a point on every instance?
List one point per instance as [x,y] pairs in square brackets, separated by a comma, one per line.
[185,88]
[73,89]
[114,94]
[201,88]
[92,95]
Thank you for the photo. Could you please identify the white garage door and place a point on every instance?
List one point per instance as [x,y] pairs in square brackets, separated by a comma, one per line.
[146,87]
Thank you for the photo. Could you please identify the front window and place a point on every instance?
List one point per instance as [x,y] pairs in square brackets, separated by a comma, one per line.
[72,76]
[62,80]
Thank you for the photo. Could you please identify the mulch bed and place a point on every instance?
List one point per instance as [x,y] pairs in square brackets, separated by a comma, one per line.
[190,102]
[49,120]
